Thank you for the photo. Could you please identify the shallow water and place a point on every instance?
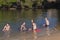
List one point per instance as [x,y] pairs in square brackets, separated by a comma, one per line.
[30,36]
[15,18]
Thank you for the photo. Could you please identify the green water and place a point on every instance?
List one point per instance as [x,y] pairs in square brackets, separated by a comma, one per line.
[16,17]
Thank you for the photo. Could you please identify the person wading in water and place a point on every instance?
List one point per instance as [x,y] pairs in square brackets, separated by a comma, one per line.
[47,26]
[6,30]
[23,28]
[34,27]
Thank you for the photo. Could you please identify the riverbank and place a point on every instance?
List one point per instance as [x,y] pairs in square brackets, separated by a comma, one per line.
[30,36]
[33,5]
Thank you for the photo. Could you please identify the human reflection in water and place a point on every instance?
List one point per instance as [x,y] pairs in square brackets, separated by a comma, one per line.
[6,31]
[35,36]
[23,36]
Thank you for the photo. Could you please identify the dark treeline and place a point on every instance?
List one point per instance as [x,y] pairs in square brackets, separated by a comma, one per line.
[43,5]
[52,4]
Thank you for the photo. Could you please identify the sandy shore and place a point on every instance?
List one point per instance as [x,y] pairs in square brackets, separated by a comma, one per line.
[30,36]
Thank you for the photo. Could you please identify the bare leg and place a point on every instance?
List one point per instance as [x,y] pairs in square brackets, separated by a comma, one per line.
[24,28]
[21,28]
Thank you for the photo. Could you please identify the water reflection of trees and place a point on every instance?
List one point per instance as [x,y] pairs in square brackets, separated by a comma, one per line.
[14,15]
[59,15]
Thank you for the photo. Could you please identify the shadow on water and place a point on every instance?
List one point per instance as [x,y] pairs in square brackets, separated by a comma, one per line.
[15,18]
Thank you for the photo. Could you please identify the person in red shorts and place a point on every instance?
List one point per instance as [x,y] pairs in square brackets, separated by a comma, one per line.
[34,27]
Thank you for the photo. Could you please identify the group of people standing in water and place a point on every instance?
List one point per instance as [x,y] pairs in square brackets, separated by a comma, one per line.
[34,27]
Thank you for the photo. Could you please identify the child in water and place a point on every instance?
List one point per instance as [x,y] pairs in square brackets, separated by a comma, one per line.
[23,27]
[6,30]
[34,27]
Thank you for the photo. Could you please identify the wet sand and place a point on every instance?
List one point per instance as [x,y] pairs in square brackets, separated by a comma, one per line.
[32,36]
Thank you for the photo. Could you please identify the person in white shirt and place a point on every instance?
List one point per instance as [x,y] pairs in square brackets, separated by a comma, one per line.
[34,27]
[47,26]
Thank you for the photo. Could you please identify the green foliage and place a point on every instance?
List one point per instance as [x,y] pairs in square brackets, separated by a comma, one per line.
[23,1]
